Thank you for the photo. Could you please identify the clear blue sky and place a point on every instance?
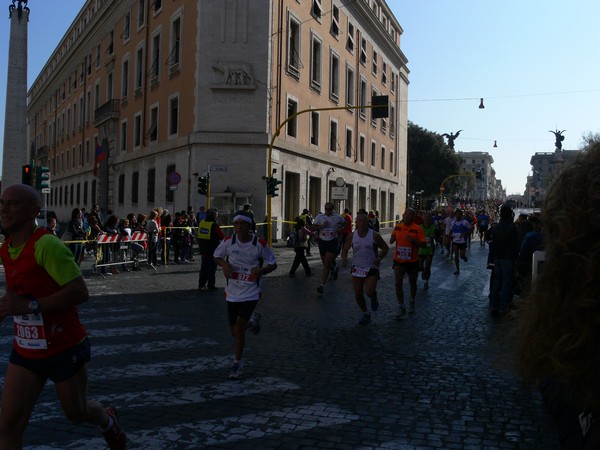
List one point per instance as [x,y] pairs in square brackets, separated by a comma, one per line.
[534,63]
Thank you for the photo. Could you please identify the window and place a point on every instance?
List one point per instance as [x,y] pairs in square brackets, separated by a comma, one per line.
[153,130]
[125,80]
[141,18]
[175,55]
[373,152]
[315,63]
[98,51]
[334,77]
[363,98]
[392,121]
[314,128]
[173,116]
[292,125]
[109,86]
[88,107]
[135,184]
[361,148]
[151,183]
[391,161]
[317,9]
[73,158]
[80,155]
[349,142]
[382,157]
[350,87]
[375,62]
[111,42]
[383,125]
[87,151]
[124,136]
[157,5]
[363,51]
[155,67]
[293,50]
[384,73]
[333,136]
[137,130]
[126,26]
[335,21]
[85,192]
[350,38]
[373,120]
[393,82]
[121,189]
[139,70]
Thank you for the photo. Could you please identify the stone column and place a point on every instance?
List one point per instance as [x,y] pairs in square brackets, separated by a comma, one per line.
[15,151]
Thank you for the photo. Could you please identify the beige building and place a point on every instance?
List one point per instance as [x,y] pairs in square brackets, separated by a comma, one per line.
[173,89]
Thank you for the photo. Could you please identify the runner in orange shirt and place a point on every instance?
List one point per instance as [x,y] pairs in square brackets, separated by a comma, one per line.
[408,237]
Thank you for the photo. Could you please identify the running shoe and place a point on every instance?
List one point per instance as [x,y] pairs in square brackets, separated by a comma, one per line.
[401,313]
[237,371]
[115,437]
[255,322]
[320,289]
[374,304]
[365,319]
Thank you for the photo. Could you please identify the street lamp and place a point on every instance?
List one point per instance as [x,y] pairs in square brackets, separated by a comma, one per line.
[329,172]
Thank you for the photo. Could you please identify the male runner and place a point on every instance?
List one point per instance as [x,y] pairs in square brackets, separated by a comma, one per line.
[460,234]
[329,225]
[44,287]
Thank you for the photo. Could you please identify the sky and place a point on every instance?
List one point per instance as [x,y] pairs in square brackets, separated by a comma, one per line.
[534,63]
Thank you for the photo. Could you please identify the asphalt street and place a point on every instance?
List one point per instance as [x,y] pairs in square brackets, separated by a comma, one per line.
[161,351]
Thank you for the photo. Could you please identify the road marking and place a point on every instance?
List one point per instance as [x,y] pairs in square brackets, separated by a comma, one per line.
[205,433]
[183,395]
[133,331]
[118,318]
[455,282]
[149,347]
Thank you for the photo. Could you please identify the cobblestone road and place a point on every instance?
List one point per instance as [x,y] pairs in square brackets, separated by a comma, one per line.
[161,351]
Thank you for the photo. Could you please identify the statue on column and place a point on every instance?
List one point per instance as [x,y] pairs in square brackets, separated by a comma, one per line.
[22,6]
[559,138]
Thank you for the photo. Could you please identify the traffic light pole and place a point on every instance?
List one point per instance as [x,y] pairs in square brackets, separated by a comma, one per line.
[272,143]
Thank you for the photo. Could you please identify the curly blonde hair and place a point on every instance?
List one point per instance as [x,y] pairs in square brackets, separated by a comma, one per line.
[560,328]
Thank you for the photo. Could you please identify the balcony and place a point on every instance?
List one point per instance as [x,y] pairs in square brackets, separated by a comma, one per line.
[109,111]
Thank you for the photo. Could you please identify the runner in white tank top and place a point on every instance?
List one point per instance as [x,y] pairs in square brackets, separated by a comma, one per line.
[369,249]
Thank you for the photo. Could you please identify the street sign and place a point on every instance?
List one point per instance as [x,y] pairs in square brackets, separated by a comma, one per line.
[45,190]
[174,178]
[339,193]
[173,187]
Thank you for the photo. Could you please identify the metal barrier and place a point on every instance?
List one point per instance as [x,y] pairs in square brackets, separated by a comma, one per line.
[116,250]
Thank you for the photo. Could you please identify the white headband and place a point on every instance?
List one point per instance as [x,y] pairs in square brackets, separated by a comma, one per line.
[242,217]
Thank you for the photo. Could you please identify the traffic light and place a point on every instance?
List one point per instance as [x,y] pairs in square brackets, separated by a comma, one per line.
[203,183]
[42,179]
[272,186]
[27,174]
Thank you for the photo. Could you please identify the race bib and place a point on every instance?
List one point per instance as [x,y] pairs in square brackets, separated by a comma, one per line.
[29,332]
[404,253]
[327,234]
[242,276]
[458,237]
[359,272]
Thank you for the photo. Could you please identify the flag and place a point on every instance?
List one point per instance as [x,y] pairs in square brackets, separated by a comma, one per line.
[100,156]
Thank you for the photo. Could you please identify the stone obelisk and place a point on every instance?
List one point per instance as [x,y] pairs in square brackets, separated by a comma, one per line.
[15,151]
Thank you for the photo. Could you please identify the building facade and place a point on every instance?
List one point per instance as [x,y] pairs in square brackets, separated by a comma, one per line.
[545,168]
[485,185]
[164,92]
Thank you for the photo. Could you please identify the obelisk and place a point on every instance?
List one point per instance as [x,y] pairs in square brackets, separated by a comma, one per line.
[15,151]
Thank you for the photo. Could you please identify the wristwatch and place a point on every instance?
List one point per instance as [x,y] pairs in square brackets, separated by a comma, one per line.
[34,306]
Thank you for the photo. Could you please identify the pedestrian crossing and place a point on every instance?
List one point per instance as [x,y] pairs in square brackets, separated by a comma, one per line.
[175,384]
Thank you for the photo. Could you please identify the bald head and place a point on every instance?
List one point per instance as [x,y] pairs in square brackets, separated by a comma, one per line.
[19,206]
[27,194]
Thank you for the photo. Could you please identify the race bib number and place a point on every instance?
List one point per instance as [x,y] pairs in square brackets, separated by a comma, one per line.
[359,272]
[29,332]
[404,253]
[327,234]
[458,237]
[242,276]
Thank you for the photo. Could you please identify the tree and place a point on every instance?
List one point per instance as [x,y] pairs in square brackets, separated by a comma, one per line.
[430,160]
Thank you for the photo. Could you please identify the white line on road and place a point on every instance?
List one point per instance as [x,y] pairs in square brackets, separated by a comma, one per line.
[206,433]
